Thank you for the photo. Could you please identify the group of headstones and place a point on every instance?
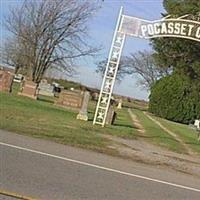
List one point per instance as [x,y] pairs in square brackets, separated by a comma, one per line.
[76,100]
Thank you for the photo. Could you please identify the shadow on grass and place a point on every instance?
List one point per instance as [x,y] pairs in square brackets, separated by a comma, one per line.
[124,125]
[194,143]
[90,119]
[45,100]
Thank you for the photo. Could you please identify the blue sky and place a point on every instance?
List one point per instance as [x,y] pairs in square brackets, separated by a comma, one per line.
[101,29]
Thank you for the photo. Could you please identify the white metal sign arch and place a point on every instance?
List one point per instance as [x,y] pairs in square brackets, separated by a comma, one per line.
[135,27]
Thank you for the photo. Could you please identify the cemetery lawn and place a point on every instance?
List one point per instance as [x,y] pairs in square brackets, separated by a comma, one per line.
[156,135]
[42,119]
[188,135]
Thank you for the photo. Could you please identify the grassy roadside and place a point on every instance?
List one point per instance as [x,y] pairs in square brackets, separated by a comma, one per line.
[156,135]
[42,119]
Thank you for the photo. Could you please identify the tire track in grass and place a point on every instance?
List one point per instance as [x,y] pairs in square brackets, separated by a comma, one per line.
[136,122]
[175,136]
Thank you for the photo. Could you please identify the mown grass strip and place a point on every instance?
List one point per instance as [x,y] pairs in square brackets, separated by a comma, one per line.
[188,135]
[156,135]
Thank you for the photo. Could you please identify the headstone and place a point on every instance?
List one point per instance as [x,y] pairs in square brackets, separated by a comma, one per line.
[6,80]
[57,88]
[83,111]
[70,99]
[119,106]
[29,89]
[18,78]
[129,99]
[111,116]
[197,124]
[95,96]
[45,88]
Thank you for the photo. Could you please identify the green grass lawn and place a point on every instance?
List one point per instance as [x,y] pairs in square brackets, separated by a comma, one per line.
[188,135]
[153,133]
[43,119]
[15,87]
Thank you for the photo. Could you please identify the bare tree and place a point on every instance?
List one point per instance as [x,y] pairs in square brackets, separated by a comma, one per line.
[13,53]
[123,70]
[141,63]
[48,34]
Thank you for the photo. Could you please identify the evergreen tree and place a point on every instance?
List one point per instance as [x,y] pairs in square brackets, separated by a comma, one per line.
[177,97]
[182,55]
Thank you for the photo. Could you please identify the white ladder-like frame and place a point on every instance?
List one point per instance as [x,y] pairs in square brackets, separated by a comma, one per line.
[110,75]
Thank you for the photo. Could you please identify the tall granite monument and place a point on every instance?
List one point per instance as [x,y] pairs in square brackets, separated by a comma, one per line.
[83,114]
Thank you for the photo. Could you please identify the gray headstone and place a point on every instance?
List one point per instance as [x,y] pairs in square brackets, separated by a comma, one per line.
[119,106]
[83,114]
[46,89]
[111,116]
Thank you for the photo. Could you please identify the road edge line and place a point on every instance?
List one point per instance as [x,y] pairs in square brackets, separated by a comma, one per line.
[102,168]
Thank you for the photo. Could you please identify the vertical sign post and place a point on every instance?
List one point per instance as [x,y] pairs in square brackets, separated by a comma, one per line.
[110,74]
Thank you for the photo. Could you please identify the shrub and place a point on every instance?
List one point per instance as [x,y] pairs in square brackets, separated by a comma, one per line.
[176,98]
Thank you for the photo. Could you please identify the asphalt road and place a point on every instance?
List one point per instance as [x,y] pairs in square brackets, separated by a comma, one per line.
[48,171]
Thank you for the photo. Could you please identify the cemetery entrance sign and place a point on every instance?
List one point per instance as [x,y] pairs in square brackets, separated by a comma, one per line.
[135,27]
